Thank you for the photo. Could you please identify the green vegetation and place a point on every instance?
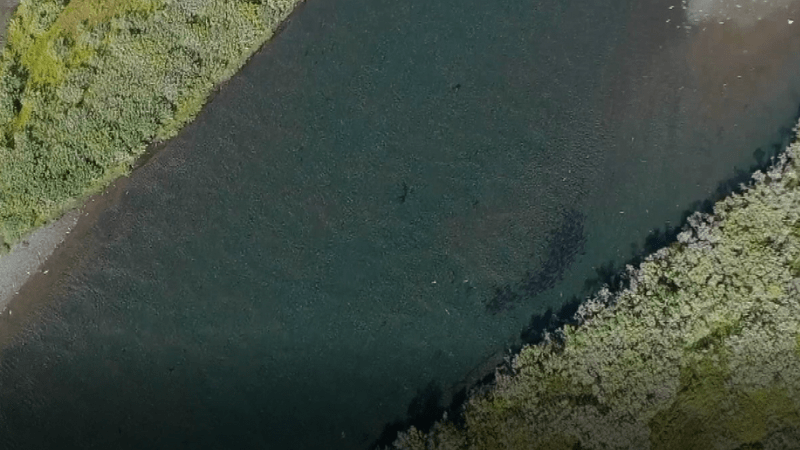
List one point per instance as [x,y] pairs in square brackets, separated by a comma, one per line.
[86,85]
[702,351]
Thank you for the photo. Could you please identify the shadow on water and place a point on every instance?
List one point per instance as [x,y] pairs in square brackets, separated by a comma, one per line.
[564,245]
[612,273]
[423,412]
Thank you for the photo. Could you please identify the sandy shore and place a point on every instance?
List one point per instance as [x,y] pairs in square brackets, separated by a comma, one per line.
[35,268]
[28,256]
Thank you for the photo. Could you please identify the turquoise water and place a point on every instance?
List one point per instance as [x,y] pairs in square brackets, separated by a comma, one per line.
[371,210]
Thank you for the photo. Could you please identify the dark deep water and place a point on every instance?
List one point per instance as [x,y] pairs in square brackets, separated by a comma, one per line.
[377,204]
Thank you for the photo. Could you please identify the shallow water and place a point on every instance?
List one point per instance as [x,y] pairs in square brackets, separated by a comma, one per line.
[322,243]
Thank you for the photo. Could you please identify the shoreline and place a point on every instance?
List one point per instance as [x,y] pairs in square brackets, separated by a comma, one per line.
[173,114]
[27,257]
[35,264]
[665,305]
[70,245]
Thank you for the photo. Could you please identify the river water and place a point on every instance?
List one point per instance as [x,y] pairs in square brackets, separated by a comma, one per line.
[366,216]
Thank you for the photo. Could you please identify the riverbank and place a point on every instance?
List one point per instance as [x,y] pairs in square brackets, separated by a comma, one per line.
[701,349]
[48,184]
[84,91]
[49,257]
[26,257]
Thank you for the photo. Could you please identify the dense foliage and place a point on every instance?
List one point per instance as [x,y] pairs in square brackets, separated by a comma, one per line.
[86,85]
[702,351]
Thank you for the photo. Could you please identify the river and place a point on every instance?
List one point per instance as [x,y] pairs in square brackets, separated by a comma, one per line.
[364,218]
